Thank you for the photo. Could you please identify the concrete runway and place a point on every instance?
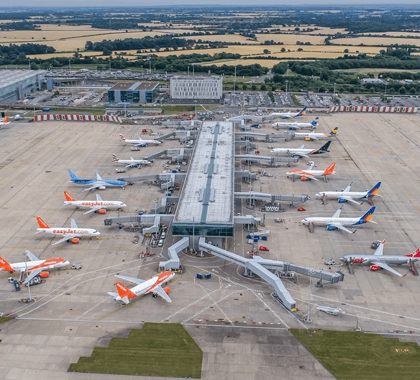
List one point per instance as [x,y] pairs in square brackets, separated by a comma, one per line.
[72,313]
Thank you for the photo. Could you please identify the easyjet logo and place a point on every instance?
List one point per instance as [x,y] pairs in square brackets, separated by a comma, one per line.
[69,231]
[93,203]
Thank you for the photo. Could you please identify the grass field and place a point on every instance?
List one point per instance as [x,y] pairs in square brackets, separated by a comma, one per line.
[385,41]
[350,355]
[165,350]
[5,319]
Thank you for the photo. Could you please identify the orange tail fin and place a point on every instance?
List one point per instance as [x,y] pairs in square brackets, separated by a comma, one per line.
[41,223]
[329,169]
[5,265]
[123,291]
[69,197]
[6,119]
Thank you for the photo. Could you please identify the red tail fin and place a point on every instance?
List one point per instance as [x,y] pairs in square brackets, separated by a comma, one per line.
[6,119]
[329,169]
[123,291]
[416,253]
[5,265]
[69,197]
[41,223]
[122,137]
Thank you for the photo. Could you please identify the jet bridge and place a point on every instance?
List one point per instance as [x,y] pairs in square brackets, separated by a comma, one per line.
[180,152]
[292,199]
[265,136]
[173,263]
[145,218]
[270,160]
[175,134]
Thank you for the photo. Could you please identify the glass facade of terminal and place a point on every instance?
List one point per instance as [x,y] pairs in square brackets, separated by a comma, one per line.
[202,229]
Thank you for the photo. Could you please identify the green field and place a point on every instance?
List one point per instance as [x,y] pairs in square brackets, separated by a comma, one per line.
[5,319]
[155,350]
[350,355]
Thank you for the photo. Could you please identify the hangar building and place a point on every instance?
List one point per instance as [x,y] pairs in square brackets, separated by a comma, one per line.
[17,84]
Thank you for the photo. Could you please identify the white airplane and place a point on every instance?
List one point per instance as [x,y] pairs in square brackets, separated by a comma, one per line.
[311,136]
[288,115]
[335,222]
[301,152]
[35,266]
[5,121]
[152,285]
[131,163]
[309,173]
[70,235]
[292,126]
[140,142]
[349,196]
[379,261]
[99,205]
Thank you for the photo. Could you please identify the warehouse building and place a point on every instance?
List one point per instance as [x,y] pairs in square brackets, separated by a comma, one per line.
[139,92]
[17,84]
[196,88]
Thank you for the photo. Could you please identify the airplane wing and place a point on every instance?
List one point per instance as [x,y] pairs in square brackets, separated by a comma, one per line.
[301,147]
[341,227]
[32,257]
[98,198]
[304,174]
[131,165]
[73,224]
[131,279]
[348,188]
[348,199]
[299,155]
[34,273]
[159,290]
[337,213]
[98,177]
[311,164]
[95,186]
[65,238]
[380,250]
[387,267]
[93,209]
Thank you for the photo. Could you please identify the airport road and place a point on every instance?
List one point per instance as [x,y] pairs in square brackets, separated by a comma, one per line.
[34,159]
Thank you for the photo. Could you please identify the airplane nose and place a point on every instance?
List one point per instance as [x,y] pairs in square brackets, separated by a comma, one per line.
[123,205]
[304,221]
[343,259]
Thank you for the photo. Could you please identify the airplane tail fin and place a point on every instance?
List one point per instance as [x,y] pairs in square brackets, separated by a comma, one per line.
[72,174]
[302,112]
[122,137]
[41,223]
[373,191]
[333,132]
[323,149]
[69,197]
[6,119]
[124,292]
[315,122]
[416,253]
[5,265]
[367,217]
[329,169]
[116,159]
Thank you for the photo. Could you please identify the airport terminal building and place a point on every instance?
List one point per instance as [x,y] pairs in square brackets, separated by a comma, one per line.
[139,92]
[17,84]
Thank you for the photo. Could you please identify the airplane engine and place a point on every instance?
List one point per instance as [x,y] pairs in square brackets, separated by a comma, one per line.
[331,228]
[308,139]
[167,290]
[375,267]
[303,178]
[102,211]
[341,200]
[101,187]
[75,241]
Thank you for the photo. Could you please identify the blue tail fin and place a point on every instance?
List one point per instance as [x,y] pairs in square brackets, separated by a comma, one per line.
[315,122]
[367,217]
[72,175]
[373,191]
[302,112]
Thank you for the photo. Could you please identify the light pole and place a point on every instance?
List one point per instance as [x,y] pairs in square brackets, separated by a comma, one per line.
[334,90]
[234,83]
[29,63]
[70,65]
[188,71]
[29,286]
[287,82]
[308,317]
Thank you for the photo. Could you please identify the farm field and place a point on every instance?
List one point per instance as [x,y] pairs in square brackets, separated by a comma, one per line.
[223,38]
[291,39]
[385,41]
[396,34]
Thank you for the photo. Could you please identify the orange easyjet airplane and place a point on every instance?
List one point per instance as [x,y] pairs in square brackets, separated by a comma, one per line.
[312,174]
[5,121]
[152,285]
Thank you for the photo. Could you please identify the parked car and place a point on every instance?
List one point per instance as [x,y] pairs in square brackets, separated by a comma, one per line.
[263,248]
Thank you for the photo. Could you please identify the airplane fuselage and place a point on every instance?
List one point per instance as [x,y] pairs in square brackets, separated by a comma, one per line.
[90,204]
[74,232]
[341,194]
[133,162]
[325,221]
[371,259]
[39,264]
[292,126]
[104,183]
[309,173]
[143,142]
[311,135]
[291,151]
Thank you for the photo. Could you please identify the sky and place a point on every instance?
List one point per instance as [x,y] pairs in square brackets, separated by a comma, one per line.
[122,3]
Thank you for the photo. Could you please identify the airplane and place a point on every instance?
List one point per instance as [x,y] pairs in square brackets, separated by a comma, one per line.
[335,222]
[97,183]
[296,125]
[152,285]
[309,173]
[35,266]
[349,196]
[311,136]
[131,162]
[288,115]
[379,261]
[140,142]
[300,152]
[70,235]
[95,206]
[5,121]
